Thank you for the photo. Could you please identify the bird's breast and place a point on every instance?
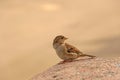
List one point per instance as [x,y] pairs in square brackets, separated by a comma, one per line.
[60,50]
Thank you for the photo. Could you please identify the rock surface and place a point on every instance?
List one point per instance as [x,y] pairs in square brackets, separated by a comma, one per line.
[83,69]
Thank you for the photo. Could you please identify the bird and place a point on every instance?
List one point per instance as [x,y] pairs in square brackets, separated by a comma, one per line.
[66,51]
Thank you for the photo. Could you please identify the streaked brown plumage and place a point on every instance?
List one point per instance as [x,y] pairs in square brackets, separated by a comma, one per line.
[66,51]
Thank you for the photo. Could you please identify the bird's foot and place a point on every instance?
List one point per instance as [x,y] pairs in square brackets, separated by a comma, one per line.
[92,57]
[65,61]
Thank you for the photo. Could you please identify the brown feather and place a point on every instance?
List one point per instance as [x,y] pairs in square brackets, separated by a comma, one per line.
[72,49]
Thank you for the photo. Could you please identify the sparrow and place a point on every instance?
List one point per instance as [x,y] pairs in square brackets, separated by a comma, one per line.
[66,51]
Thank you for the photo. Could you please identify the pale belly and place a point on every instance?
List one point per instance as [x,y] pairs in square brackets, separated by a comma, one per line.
[61,52]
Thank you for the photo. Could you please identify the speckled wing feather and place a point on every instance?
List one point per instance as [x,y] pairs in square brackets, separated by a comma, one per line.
[72,49]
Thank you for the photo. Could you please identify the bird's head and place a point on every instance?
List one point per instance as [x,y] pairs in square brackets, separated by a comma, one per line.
[59,39]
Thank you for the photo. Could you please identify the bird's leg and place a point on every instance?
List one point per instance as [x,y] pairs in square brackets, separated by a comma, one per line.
[67,60]
[62,62]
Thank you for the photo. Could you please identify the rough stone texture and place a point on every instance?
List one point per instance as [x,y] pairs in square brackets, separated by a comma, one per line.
[83,69]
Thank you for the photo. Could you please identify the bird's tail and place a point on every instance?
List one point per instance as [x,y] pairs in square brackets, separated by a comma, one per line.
[82,55]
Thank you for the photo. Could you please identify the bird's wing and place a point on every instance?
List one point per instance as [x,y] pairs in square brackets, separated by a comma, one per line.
[72,49]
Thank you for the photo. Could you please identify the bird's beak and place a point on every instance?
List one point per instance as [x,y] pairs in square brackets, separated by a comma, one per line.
[66,38]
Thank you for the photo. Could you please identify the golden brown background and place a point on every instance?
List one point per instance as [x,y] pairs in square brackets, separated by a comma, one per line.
[27,28]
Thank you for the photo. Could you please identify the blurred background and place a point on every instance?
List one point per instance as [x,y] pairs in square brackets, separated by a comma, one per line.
[28,27]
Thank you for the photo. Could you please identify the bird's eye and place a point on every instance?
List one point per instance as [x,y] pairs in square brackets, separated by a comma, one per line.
[62,37]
